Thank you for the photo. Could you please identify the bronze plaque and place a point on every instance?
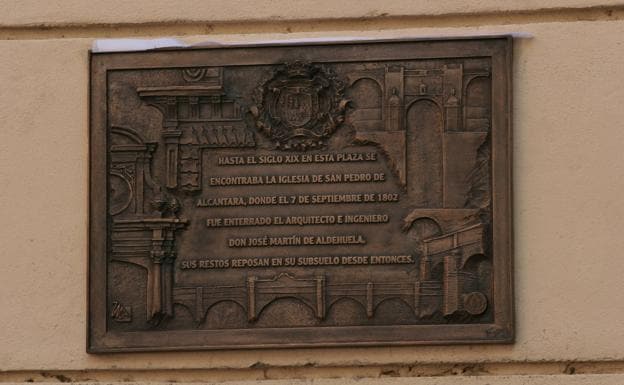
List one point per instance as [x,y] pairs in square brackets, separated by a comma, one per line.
[301,195]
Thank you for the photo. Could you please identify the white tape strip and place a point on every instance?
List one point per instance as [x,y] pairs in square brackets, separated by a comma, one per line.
[119,45]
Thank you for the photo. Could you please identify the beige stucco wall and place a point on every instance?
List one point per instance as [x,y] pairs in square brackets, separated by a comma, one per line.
[568,183]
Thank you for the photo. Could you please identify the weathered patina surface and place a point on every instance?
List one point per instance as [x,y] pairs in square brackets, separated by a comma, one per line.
[308,195]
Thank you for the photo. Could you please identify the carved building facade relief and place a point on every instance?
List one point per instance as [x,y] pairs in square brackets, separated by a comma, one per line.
[323,195]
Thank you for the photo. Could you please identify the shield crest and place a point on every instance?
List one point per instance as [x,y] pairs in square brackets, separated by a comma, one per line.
[295,106]
[300,107]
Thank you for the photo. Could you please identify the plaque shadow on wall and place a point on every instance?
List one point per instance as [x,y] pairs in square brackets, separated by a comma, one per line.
[301,195]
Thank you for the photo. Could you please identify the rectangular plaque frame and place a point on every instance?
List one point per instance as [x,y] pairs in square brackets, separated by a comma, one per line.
[148,177]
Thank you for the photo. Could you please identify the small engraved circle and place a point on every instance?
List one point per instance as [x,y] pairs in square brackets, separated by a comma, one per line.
[475,303]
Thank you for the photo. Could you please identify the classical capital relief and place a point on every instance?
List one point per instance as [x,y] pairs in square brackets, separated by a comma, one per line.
[300,106]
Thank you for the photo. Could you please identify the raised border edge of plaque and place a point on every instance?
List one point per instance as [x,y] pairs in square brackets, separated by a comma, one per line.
[100,341]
